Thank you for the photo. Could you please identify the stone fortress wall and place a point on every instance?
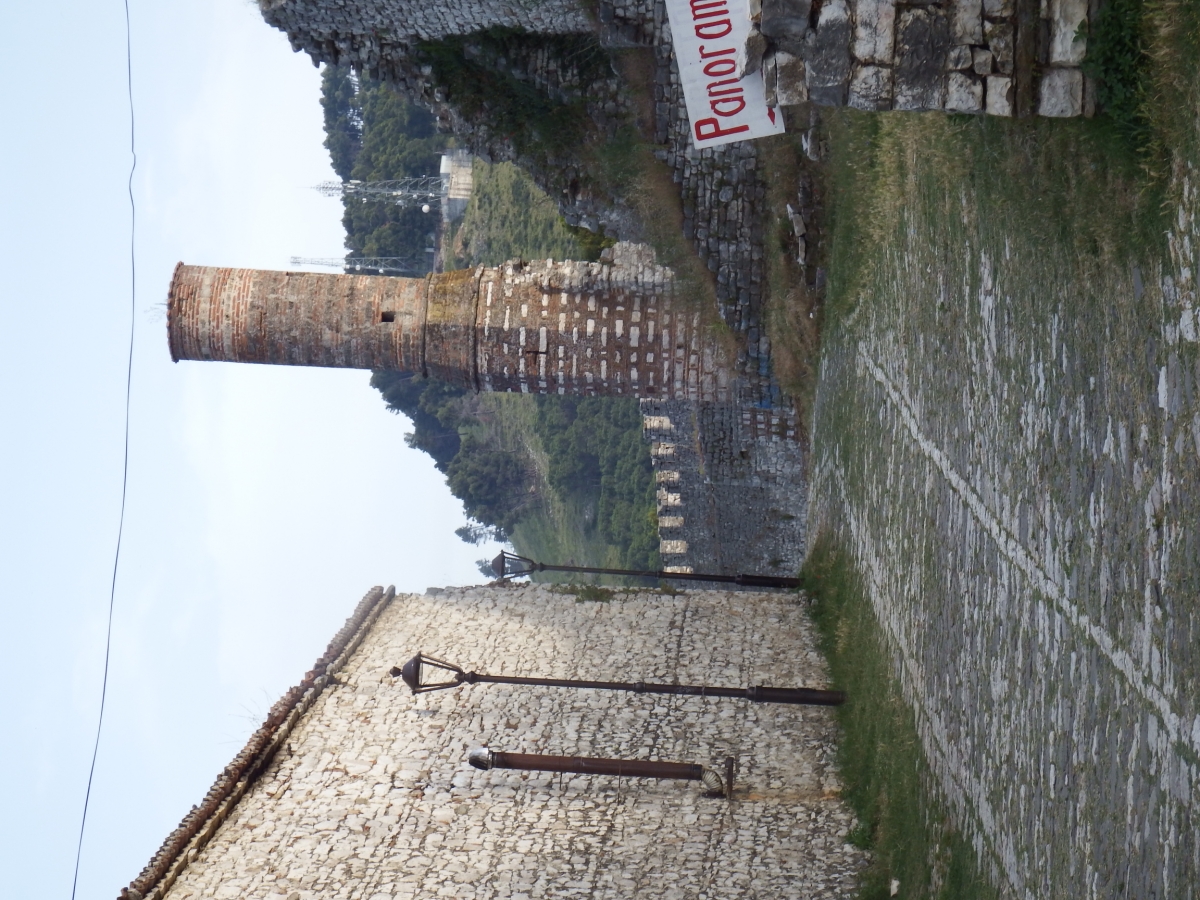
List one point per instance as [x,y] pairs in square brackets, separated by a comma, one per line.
[357,789]
[732,495]
[365,32]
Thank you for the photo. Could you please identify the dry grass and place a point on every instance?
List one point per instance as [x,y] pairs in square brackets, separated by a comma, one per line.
[793,308]
[628,170]
[638,68]
[1173,32]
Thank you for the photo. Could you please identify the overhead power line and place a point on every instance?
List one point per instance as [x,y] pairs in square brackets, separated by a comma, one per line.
[112,591]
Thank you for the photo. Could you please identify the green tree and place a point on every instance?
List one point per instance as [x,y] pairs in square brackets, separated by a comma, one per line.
[374,134]
[427,403]
[491,483]
[343,118]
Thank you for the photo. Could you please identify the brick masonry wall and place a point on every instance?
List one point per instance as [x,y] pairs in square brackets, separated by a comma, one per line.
[610,328]
[607,328]
[371,795]
[295,318]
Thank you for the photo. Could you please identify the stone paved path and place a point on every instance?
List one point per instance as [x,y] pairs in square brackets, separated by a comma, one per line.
[1010,447]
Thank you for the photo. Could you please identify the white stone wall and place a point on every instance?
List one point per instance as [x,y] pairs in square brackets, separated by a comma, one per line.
[372,796]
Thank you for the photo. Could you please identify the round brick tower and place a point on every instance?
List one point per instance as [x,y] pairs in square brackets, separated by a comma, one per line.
[543,327]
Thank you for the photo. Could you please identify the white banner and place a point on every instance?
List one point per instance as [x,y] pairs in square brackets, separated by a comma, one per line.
[710,40]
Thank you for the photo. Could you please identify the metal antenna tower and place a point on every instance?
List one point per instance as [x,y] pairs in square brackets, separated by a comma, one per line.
[367,265]
[403,191]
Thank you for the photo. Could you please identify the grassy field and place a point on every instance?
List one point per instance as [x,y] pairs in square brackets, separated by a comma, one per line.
[508,216]
[1006,481]
[884,770]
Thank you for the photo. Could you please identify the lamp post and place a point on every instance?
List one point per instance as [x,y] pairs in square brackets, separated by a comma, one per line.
[414,671]
[510,565]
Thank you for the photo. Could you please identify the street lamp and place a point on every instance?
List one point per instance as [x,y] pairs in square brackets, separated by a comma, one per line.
[510,565]
[421,673]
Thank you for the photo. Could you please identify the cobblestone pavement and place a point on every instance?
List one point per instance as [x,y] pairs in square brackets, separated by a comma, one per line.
[1009,445]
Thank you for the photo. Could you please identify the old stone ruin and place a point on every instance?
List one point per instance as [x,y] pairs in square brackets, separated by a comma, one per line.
[356,788]
[1002,57]
[588,329]
[733,491]
[732,495]
[1010,57]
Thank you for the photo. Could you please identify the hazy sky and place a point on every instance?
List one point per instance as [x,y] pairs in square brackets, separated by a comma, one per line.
[263,501]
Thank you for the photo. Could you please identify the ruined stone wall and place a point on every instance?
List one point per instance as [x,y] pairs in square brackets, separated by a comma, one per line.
[364,32]
[723,197]
[1001,57]
[732,493]
[370,794]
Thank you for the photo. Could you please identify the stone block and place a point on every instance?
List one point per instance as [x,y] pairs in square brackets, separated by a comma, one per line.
[1065,18]
[922,44]
[981,61]
[999,39]
[959,58]
[770,80]
[751,57]
[967,22]
[827,55]
[999,9]
[874,25]
[791,87]
[999,95]
[964,94]
[785,18]
[797,221]
[871,88]
[1060,94]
